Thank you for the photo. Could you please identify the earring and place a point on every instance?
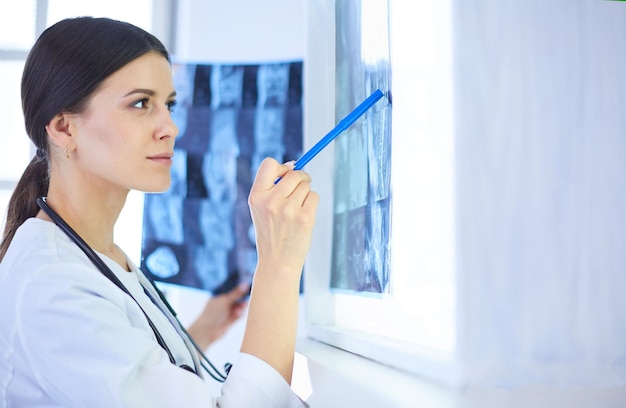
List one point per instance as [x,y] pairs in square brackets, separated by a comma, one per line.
[68,153]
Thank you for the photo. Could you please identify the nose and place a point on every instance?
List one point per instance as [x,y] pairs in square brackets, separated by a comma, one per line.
[167,128]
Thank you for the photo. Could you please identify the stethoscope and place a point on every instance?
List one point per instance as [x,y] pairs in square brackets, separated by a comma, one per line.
[106,271]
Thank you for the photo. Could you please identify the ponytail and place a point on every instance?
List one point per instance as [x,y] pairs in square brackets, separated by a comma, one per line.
[23,202]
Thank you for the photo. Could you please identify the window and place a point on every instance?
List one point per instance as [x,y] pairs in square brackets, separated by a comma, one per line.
[19,29]
[414,326]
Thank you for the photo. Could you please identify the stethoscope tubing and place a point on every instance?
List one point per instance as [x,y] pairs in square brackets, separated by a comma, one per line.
[106,271]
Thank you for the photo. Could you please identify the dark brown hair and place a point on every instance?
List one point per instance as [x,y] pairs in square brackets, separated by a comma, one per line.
[65,66]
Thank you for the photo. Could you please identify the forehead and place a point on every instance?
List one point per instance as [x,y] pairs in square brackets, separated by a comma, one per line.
[150,71]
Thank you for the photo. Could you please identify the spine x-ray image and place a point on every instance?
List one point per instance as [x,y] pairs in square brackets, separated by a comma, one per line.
[230,117]
[362,178]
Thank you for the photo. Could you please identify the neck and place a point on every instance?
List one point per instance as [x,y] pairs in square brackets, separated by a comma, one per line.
[92,214]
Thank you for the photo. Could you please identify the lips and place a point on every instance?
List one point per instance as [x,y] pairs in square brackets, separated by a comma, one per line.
[165,158]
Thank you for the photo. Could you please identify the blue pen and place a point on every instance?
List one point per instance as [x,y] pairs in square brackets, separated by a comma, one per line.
[341,126]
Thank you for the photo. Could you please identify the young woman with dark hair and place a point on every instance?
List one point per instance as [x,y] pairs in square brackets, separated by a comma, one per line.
[80,324]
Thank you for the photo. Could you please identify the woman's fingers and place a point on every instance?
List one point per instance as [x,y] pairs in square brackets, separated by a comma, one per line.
[283,213]
[303,196]
[272,175]
[267,174]
[270,199]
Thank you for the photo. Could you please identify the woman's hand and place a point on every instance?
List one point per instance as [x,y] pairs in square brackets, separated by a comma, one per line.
[283,215]
[219,314]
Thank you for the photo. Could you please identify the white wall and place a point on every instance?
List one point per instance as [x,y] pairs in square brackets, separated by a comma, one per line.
[240,30]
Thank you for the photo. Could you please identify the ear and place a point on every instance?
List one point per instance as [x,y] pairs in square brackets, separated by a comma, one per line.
[58,130]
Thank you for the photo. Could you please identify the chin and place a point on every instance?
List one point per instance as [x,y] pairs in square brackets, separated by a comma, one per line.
[156,188]
[161,189]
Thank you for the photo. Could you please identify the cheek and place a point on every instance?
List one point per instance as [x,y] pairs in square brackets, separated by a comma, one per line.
[108,133]
[104,149]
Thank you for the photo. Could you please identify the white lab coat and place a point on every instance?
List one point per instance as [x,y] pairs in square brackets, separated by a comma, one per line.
[70,338]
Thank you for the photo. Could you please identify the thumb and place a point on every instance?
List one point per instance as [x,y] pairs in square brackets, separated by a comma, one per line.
[267,173]
[239,291]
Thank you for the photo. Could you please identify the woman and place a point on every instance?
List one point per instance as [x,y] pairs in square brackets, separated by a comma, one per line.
[97,96]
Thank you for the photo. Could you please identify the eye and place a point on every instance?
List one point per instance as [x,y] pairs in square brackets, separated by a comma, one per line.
[140,104]
[171,105]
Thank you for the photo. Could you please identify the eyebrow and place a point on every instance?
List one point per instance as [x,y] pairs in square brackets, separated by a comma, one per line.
[146,91]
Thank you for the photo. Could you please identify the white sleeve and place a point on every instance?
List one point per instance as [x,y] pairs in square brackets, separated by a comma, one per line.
[254,383]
